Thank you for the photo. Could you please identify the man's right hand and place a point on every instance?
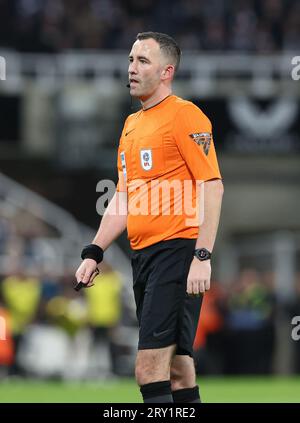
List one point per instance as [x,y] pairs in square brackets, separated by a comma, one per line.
[86,272]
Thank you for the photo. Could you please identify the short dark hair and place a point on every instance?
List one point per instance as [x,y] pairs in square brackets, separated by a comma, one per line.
[166,43]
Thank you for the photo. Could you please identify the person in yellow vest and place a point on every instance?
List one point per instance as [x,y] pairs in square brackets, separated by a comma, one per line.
[21,296]
[104,313]
[6,342]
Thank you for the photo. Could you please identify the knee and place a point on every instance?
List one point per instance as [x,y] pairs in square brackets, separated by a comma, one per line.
[182,377]
[149,369]
[177,379]
[141,376]
[181,383]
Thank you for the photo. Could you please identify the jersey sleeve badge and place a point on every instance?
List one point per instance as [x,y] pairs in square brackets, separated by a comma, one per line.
[203,139]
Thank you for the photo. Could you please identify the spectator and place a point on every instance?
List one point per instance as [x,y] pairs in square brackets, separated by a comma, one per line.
[21,296]
[250,326]
[104,313]
[6,342]
[57,25]
[209,340]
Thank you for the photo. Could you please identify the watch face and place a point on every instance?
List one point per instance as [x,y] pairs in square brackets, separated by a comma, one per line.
[202,254]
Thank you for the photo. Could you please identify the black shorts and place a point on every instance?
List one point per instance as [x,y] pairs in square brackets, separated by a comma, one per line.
[166,313]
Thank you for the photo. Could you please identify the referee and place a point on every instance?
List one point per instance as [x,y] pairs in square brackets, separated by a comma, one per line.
[166,144]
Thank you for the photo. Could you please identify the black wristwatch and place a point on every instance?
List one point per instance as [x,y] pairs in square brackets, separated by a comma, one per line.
[202,254]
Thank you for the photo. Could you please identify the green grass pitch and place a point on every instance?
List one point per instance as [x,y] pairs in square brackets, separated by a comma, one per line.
[213,390]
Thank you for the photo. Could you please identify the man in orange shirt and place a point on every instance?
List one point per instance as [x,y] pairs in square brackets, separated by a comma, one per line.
[168,198]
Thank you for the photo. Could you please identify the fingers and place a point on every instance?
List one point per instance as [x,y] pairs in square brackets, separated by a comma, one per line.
[92,277]
[86,273]
[94,274]
[197,287]
[79,275]
[207,285]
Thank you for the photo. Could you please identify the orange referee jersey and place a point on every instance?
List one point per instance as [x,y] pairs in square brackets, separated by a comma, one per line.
[163,151]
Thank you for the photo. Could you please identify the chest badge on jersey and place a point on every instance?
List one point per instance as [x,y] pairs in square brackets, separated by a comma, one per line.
[203,139]
[146,159]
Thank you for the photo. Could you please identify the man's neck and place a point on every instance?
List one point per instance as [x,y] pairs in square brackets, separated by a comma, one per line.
[155,99]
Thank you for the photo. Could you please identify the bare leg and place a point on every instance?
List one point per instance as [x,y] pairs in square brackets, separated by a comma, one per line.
[153,365]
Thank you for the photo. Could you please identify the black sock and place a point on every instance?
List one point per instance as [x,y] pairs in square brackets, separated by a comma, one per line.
[187,395]
[157,392]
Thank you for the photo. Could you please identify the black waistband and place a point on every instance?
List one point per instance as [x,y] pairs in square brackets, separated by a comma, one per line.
[178,242]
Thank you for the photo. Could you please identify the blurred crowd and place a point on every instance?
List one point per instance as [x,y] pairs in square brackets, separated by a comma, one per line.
[242,325]
[44,321]
[45,317]
[218,25]
[237,333]
[20,233]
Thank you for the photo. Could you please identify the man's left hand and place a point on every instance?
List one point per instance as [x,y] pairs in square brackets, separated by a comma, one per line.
[198,280]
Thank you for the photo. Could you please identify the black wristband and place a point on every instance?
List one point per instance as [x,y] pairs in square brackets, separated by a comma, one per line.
[92,251]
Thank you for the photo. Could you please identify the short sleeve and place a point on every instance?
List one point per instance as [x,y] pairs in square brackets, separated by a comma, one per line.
[121,163]
[122,180]
[192,132]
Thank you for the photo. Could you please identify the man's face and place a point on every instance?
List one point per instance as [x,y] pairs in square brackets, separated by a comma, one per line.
[145,68]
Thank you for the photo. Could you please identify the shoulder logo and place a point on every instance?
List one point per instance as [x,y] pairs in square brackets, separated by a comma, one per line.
[203,139]
[146,159]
